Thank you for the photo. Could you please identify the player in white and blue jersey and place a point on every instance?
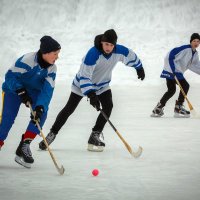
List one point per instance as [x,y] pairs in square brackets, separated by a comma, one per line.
[177,61]
[93,81]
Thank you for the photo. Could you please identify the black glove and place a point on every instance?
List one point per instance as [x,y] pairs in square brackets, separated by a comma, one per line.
[22,93]
[94,100]
[38,111]
[140,73]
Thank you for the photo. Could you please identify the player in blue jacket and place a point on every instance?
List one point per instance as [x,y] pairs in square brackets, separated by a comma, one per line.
[92,81]
[30,80]
[177,61]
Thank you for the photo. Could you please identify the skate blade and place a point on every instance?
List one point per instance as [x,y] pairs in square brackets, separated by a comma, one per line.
[155,115]
[20,161]
[94,148]
[178,115]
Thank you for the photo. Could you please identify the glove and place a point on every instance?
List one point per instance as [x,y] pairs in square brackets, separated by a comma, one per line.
[22,93]
[94,100]
[140,73]
[38,111]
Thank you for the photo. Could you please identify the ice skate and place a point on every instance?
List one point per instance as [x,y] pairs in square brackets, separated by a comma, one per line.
[180,111]
[23,154]
[49,138]
[94,142]
[158,111]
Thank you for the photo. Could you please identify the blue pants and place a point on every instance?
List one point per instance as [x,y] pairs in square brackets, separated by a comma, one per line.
[10,108]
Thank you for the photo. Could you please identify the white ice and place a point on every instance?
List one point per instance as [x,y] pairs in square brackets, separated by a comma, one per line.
[169,166]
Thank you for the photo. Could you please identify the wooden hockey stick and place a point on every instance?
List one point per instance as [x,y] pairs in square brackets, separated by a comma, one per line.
[61,169]
[134,154]
[185,96]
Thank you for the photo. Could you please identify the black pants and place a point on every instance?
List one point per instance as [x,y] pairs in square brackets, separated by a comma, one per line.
[171,89]
[73,101]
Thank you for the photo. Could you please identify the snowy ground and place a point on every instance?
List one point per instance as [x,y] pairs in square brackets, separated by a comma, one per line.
[167,169]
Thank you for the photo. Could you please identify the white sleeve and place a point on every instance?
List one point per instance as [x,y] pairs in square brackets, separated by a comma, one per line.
[132,60]
[195,66]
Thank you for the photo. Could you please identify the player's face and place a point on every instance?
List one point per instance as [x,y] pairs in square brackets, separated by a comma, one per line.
[107,47]
[51,57]
[195,43]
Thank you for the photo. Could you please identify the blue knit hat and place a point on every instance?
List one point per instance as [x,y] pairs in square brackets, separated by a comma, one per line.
[48,44]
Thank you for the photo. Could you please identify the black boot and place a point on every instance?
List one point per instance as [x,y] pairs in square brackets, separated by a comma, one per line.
[23,153]
[18,151]
[158,110]
[94,142]
[180,111]
[49,138]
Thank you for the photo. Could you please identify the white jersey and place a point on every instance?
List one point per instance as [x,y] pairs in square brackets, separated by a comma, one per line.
[178,60]
[96,69]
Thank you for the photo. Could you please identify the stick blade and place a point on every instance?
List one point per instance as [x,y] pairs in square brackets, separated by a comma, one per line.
[194,113]
[61,170]
[138,153]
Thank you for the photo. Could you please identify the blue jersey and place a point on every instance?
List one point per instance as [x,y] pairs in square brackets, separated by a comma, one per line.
[96,69]
[27,73]
[178,60]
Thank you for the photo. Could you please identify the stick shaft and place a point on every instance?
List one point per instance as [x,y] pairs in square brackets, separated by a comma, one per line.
[183,92]
[116,131]
[60,169]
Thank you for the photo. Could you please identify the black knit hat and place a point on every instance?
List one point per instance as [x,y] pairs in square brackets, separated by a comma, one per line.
[110,36]
[194,36]
[48,44]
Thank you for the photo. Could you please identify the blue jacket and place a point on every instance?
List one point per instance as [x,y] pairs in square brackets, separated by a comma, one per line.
[27,73]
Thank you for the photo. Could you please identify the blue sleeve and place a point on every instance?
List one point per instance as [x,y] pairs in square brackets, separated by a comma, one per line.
[13,76]
[12,80]
[46,93]
[120,49]
[92,56]
[129,57]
